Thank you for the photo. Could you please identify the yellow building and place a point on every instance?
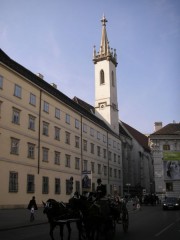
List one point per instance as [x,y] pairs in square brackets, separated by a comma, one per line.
[46,137]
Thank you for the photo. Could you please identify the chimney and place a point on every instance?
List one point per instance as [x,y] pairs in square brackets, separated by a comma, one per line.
[54,85]
[157,126]
[40,75]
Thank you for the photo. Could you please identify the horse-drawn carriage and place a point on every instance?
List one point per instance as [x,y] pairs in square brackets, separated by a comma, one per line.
[95,219]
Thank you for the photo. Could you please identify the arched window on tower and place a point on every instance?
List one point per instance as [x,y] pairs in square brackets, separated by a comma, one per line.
[113,82]
[102,81]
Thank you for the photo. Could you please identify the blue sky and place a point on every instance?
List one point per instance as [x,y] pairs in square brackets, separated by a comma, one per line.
[56,38]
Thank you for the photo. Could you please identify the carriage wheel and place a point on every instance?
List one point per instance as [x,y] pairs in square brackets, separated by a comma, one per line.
[125,220]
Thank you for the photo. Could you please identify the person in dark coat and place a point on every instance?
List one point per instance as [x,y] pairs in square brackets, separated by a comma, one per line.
[101,189]
[32,206]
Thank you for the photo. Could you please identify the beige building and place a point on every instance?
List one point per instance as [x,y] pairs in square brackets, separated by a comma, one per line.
[47,138]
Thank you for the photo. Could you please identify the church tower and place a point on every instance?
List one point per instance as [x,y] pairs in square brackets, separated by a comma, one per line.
[105,61]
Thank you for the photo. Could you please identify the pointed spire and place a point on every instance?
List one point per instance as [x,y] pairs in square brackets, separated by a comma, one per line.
[105,52]
[104,40]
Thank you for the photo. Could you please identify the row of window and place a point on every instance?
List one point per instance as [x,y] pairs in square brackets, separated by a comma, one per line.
[46,108]
[15,145]
[57,134]
[30,184]
[46,126]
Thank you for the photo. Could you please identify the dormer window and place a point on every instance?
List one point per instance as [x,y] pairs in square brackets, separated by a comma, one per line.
[102,80]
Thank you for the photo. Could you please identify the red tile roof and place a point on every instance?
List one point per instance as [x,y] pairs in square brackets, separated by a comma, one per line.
[140,138]
[170,129]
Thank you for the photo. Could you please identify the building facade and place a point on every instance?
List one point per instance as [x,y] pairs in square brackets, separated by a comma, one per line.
[138,169]
[165,146]
[47,138]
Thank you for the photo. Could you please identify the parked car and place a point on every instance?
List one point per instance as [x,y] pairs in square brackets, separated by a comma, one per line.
[171,203]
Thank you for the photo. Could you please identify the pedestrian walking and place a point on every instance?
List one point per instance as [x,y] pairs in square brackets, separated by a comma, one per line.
[32,206]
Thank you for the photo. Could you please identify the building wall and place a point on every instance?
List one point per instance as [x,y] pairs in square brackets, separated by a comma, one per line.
[23,165]
[157,142]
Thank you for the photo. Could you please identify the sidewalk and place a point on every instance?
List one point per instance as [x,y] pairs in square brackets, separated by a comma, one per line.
[16,218]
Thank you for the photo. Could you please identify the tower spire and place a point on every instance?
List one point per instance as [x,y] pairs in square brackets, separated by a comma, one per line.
[104,52]
[104,40]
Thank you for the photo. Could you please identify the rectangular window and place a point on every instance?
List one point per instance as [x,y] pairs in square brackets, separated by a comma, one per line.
[77,141]
[92,148]
[16,116]
[15,146]
[67,118]
[17,91]
[67,137]
[85,165]
[84,145]
[110,141]
[98,135]
[114,144]
[115,173]
[119,159]
[110,156]
[57,157]
[0,108]
[77,163]
[45,128]
[57,133]
[68,189]
[45,154]
[104,153]
[45,185]
[169,186]
[31,122]
[119,174]
[84,128]
[98,151]
[13,182]
[110,172]
[68,160]
[31,150]
[166,147]
[92,167]
[57,113]
[1,81]
[57,186]
[99,168]
[104,138]
[46,107]
[32,99]
[77,124]
[105,170]
[30,183]
[114,157]
[92,132]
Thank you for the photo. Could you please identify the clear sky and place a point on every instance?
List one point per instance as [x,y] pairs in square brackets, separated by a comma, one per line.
[56,38]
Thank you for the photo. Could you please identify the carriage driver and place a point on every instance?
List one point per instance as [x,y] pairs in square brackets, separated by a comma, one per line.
[101,189]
